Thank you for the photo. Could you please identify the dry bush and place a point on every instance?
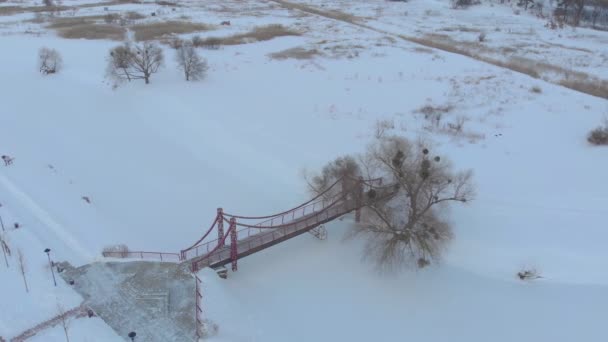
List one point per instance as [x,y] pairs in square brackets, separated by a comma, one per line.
[482,37]
[167,3]
[132,62]
[464,3]
[344,169]
[116,251]
[154,31]
[457,126]
[212,43]
[193,66]
[111,18]
[295,53]
[434,114]
[10,10]
[258,34]
[528,274]
[49,61]
[382,127]
[589,86]
[92,31]
[536,90]
[132,15]
[599,136]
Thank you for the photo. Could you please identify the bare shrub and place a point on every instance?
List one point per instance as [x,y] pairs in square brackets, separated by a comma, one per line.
[457,126]
[382,126]
[157,30]
[176,43]
[132,15]
[188,60]
[111,18]
[434,114]
[599,136]
[536,90]
[345,170]
[116,251]
[482,37]
[528,274]
[464,3]
[131,62]
[49,61]
[212,43]
[48,3]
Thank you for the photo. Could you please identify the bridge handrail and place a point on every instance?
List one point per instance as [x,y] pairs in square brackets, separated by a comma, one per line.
[287,211]
[142,255]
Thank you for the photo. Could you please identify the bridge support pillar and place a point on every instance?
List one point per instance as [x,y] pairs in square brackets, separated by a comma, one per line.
[220,226]
[233,244]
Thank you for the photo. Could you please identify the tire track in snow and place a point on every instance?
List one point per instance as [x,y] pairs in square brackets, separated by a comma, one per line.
[44,218]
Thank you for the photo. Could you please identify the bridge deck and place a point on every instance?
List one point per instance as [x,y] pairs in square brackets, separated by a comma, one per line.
[271,237]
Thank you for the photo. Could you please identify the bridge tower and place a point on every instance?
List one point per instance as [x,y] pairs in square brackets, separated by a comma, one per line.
[220,226]
[233,244]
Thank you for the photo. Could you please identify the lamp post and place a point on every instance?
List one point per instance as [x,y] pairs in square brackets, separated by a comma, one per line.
[48,254]
[132,335]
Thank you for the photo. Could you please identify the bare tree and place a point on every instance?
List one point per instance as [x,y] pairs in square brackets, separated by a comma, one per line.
[49,61]
[65,321]
[127,62]
[22,267]
[344,169]
[406,225]
[188,60]
[409,225]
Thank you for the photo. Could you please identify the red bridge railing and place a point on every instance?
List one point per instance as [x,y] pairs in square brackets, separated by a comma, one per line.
[162,256]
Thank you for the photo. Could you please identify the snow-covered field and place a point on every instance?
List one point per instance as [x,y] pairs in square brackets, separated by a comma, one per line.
[157,160]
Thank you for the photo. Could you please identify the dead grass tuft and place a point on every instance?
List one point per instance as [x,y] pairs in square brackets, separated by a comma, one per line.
[92,31]
[159,30]
[295,53]
[258,34]
[132,15]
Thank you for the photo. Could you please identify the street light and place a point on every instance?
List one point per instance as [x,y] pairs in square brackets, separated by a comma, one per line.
[48,254]
[132,335]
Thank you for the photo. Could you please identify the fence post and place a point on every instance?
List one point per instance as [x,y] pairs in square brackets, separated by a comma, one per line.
[233,244]
[220,227]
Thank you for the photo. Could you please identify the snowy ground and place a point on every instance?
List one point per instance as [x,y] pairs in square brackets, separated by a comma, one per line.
[156,161]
